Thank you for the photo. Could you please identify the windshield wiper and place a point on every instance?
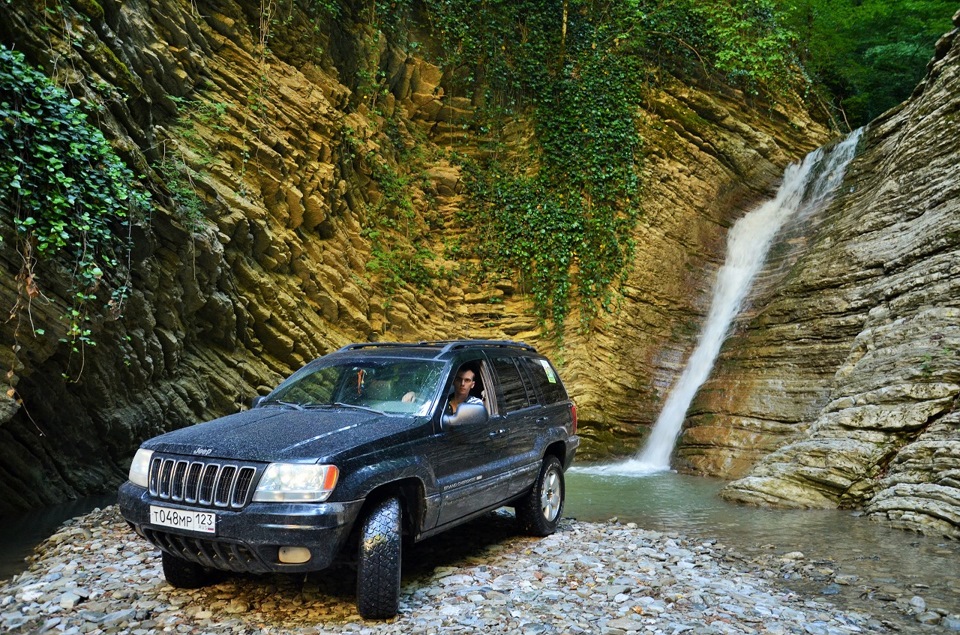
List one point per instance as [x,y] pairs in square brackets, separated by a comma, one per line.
[340,404]
[288,404]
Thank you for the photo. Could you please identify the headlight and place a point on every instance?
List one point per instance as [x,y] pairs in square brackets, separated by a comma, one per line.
[140,467]
[293,482]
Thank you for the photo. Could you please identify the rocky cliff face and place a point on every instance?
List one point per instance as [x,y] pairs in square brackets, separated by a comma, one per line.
[252,260]
[844,378]
[712,158]
[275,168]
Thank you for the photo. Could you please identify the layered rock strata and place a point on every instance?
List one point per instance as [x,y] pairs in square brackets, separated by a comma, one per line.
[711,158]
[273,150]
[270,160]
[849,370]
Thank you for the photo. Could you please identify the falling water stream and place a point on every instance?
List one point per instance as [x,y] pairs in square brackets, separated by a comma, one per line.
[807,187]
[644,490]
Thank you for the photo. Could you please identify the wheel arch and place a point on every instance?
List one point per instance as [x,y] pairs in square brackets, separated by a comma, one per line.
[557,449]
[411,493]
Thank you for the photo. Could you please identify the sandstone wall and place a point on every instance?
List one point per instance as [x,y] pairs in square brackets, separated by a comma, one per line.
[282,149]
[711,158]
[845,378]
[272,275]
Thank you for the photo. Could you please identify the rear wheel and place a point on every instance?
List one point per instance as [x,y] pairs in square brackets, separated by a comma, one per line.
[538,512]
[378,561]
[184,574]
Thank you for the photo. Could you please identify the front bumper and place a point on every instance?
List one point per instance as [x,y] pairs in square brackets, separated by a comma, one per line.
[248,539]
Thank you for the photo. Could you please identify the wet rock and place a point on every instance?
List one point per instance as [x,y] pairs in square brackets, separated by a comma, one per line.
[951,623]
[846,578]
[928,617]
[918,604]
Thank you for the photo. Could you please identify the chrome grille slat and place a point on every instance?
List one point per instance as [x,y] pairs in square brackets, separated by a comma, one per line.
[177,482]
[224,489]
[207,481]
[193,480]
[201,483]
[242,486]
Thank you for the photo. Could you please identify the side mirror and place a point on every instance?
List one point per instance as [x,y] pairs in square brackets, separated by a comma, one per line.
[468,414]
[256,401]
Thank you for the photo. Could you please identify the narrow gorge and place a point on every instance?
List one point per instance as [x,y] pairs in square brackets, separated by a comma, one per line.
[275,191]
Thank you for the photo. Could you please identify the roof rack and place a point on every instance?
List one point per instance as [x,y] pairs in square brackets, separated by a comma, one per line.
[353,347]
[447,345]
[455,344]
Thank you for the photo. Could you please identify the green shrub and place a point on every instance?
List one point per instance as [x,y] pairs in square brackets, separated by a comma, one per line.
[71,197]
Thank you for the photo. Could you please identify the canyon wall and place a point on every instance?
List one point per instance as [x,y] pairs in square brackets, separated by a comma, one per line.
[840,384]
[273,167]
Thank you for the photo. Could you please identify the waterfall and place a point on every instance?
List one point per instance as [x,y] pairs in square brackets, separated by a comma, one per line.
[806,187]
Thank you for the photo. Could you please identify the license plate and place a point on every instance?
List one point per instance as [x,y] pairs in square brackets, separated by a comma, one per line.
[203,522]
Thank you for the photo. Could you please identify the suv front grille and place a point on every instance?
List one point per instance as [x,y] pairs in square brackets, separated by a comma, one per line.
[201,483]
[213,554]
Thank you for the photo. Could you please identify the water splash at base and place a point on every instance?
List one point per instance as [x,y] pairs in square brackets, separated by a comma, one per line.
[631,467]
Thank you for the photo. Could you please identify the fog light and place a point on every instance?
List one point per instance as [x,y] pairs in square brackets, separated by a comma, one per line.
[294,555]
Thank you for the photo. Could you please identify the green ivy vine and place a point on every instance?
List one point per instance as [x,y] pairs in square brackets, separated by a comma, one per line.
[70,196]
[562,217]
[390,224]
[564,228]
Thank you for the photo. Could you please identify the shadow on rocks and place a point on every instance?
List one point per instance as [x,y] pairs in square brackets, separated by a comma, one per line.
[464,545]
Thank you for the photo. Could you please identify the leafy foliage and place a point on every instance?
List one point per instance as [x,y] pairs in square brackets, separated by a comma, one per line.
[870,54]
[749,43]
[69,192]
[566,227]
[390,223]
[581,67]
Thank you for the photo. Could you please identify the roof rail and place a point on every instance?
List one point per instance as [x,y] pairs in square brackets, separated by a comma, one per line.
[455,344]
[447,345]
[353,347]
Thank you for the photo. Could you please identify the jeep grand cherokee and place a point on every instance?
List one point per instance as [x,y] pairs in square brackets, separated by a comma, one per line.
[355,451]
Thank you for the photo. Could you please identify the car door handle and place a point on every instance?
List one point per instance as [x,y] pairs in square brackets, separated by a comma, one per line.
[497,433]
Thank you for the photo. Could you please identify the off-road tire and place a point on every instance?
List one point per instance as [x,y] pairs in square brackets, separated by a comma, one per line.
[378,561]
[183,574]
[539,511]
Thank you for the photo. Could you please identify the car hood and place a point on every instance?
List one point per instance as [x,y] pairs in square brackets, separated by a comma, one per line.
[276,434]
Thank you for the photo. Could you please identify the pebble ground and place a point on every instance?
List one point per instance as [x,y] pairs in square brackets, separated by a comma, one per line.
[96,576]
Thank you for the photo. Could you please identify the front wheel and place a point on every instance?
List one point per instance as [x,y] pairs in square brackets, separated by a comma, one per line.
[378,561]
[183,574]
[538,512]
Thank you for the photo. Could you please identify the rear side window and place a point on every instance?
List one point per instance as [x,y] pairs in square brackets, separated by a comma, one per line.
[511,384]
[546,379]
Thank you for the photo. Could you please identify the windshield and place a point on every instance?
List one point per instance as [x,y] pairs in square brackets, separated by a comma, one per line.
[390,386]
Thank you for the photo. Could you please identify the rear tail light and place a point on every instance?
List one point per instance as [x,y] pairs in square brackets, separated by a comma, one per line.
[573,414]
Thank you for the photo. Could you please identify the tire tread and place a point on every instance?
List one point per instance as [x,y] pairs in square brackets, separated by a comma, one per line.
[528,509]
[379,561]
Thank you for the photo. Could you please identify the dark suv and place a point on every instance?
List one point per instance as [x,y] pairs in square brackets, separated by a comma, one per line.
[352,453]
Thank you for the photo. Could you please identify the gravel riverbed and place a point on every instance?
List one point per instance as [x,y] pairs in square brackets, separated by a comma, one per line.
[96,576]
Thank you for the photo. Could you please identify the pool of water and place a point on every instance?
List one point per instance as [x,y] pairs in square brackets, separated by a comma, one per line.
[667,501]
[888,563]
[20,534]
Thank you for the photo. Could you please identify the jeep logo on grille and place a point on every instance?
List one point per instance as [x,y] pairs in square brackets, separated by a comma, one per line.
[203,451]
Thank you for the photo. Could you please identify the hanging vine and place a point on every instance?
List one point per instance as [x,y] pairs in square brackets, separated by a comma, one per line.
[70,197]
